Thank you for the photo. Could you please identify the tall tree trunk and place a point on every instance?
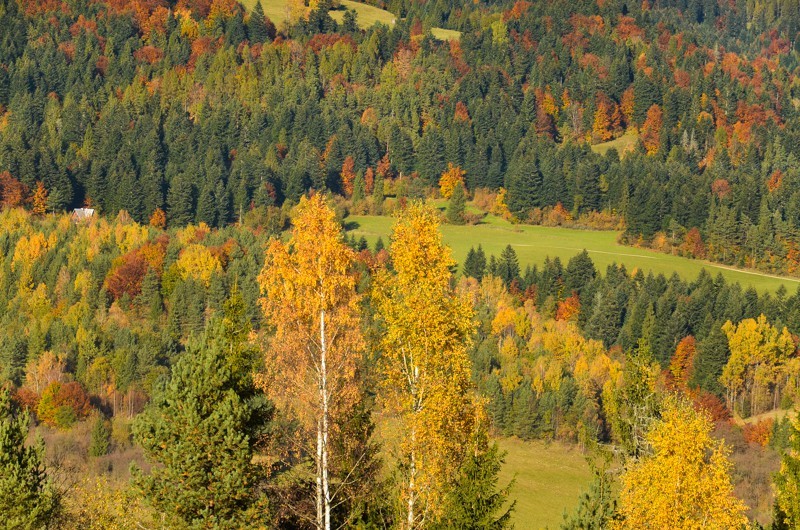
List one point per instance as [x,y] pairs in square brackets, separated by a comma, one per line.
[324,391]
[319,475]
[412,472]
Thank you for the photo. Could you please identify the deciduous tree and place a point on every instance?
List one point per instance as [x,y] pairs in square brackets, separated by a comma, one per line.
[310,297]
[427,330]
[685,483]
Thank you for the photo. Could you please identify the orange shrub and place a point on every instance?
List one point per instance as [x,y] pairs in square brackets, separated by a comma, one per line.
[758,433]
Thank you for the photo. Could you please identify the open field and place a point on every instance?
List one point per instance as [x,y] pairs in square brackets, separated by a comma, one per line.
[534,243]
[367,15]
[626,142]
[549,477]
[549,480]
[446,34]
[776,415]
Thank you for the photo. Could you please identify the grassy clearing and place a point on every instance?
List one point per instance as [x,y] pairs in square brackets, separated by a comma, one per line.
[624,143]
[548,477]
[775,415]
[368,15]
[549,480]
[445,34]
[534,243]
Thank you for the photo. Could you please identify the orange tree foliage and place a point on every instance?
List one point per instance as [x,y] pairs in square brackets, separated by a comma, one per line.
[12,192]
[681,365]
[127,275]
[759,432]
[569,308]
[62,404]
[685,483]
[309,287]
[606,119]
[452,177]
[427,330]
[158,219]
[627,105]
[128,271]
[39,199]
[693,244]
[651,129]
[348,175]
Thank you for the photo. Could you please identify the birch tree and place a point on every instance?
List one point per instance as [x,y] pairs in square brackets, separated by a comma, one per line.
[310,297]
[427,330]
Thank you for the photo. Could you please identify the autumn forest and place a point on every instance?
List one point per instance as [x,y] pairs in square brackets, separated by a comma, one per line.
[194,335]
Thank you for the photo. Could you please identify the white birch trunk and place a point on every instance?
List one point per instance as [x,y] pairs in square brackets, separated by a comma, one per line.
[324,432]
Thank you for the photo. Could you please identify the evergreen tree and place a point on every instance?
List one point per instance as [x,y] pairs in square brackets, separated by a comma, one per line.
[475,502]
[712,356]
[456,206]
[201,428]
[475,263]
[597,506]
[257,25]
[101,437]
[508,266]
[787,481]
[579,273]
[27,496]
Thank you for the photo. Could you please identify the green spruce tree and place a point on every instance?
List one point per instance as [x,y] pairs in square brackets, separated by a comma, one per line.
[475,502]
[456,206]
[201,429]
[28,499]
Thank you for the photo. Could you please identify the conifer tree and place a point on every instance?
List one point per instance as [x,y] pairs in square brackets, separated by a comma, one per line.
[456,206]
[201,428]
[475,501]
[28,498]
[508,266]
[475,263]
[101,437]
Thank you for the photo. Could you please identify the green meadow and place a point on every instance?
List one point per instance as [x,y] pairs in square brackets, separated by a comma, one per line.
[368,15]
[277,12]
[534,243]
[548,479]
[624,143]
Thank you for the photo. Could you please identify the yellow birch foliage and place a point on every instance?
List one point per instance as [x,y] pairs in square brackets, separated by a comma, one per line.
[309,288]
[685,483]
[197,261]
[758,354]
[428,329]
[452,177]
[29,250]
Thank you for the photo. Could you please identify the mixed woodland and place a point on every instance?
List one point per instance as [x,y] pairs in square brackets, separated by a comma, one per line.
[210,350]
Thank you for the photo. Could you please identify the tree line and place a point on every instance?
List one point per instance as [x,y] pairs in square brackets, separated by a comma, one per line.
[204,112]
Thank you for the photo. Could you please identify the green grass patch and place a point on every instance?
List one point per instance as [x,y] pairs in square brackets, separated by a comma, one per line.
[549,479]
[624,143]
[368,15]
[534,243]
[445,34]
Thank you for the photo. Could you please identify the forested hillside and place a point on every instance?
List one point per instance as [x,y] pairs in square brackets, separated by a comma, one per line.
[205,111]
[210,349]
